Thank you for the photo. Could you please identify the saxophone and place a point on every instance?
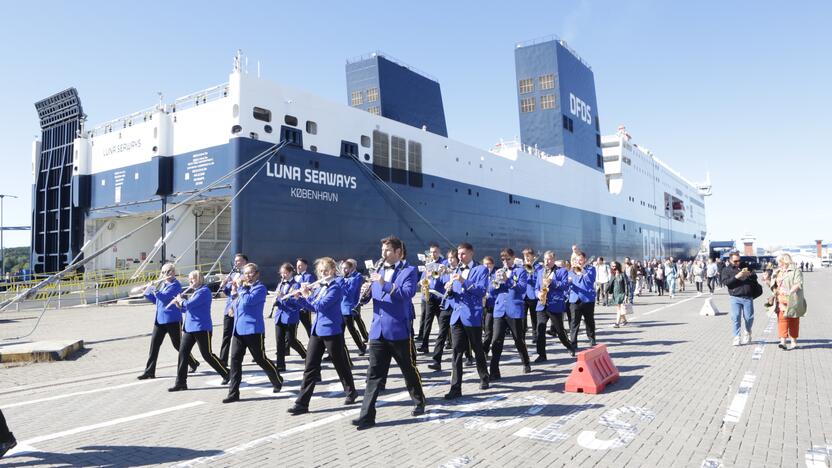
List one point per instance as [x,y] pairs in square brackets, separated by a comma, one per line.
[544,288]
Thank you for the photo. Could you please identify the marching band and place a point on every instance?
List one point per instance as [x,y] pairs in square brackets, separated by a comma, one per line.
[476,305]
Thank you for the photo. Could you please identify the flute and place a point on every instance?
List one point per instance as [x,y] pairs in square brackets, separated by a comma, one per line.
[187,290]
[300,290]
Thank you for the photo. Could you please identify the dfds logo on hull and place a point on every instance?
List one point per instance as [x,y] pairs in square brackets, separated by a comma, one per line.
[580,109]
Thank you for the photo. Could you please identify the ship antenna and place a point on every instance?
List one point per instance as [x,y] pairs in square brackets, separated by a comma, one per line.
[161,100]
[237,60]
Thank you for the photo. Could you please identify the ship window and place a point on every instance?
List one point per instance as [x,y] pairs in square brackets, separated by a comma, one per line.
[365,141]
[599,161]
[356,98]
[236,129]
[414,163]
[547,81]
[614,220]
[262,114]
[526,86]
[267,128]
[527,104]
[547,101]
[311,127]
[598,140]
[290,120]
[374,110]
[381,155]
[313,149]
[372,95]
[398,158]
[293,136]
[349,149]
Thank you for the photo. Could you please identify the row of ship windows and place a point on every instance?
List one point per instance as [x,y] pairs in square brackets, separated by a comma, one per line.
[545,82]
[357,97]
[546,102]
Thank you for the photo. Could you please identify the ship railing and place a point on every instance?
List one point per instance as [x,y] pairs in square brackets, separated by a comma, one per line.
[519,146]
[185,102]
[549,38]
[379,53]
[91,287]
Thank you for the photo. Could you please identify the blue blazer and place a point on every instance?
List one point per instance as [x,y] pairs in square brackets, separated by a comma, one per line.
[490,294]
[248,311]
[327,307]
[198,311]
[162,297]
[510,295]
[352,292]
[449,301]
[288,310]
[556,298]
[530,285]
[582,287]
[468,297]
[393,304]
[227,291]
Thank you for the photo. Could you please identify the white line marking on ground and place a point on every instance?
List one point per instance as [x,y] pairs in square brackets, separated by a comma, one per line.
[712,463]
[67,395]
[112,422]
[20,449]
[698,295]
[457,462]
[740,399]
[551,432]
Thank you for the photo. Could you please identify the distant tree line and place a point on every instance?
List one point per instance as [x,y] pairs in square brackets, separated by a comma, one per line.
[16,258]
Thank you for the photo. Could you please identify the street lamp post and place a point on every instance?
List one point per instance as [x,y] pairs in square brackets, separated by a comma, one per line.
[2,232]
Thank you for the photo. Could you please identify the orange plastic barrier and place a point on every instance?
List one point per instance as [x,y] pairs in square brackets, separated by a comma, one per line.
[593,371]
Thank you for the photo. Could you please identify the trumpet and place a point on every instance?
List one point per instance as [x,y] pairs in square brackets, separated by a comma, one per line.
[226,280]
[367,287]
[529,266]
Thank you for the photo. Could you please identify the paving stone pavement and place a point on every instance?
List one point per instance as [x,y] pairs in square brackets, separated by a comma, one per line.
[686,397]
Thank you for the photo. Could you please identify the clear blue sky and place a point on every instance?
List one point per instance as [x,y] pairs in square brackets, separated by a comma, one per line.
[739,88]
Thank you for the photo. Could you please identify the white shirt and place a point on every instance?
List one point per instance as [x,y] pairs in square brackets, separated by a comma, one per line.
[602,273]
[467,270]
[388,272]
[712,270]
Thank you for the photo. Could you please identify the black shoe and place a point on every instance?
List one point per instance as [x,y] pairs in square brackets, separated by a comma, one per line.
[277,388]
[437,366]
[493,376]
[192,368]
[178,388]
[527,369]
[592,342]
[484,385]
[423,350]
[10,444]
[448,346]
[328,358]
[350,399]
[572,352]
[146,376]
[361,424]
[782,346]
[280,368]
[551,333]
[297,409]
[418,411]
[231,399]
[540,359]
[318,378]
[224,381]
[362,351]
[453,395]
[470,362]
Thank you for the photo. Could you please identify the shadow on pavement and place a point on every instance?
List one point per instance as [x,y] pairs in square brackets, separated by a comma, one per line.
[114,456]
[649,324]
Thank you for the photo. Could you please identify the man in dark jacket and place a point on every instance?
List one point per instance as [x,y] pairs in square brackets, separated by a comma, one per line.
[740,282]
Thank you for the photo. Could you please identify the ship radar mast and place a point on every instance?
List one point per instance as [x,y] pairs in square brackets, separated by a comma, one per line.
[705,187]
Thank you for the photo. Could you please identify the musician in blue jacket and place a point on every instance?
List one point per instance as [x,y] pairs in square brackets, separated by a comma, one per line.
[249,331]
[467,286]
[446,306]
[287,317]
[582,299]
[393,288]
[488,307]
[198,330]
[327,333]
[430,301]
[304,277]
[508,312]
[530,302]
[168,319]
[553,305]
[351,284]
[236,274]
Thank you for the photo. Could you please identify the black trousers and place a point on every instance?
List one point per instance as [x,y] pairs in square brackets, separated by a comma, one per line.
[380,352]
[285,335]
[349,324]
[529,308]
[5,434]
[487,327]
[465,338]
[360,324]
[711,284]
[660,286]
[306,321]
[585,310]
[174,330]
[557,325]
[516,327]
[442,335]
[227,332]
[333,344]
[256,345]
[430,310]
[203,340]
